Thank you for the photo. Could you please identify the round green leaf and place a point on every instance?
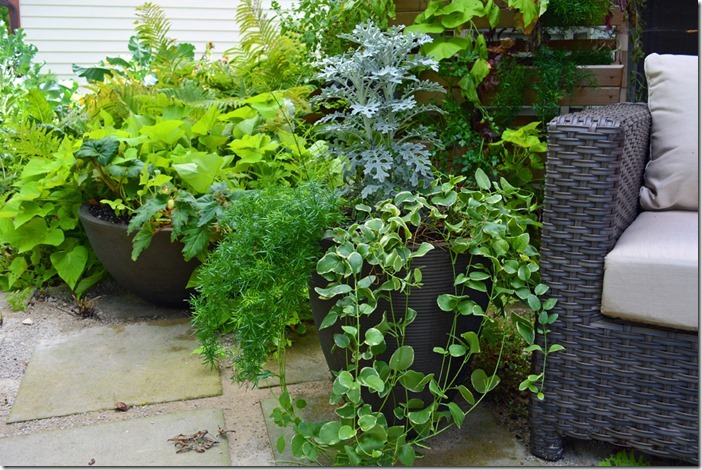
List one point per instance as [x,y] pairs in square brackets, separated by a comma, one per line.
[402,358]
[457,350]
[341,341]
[328,263]
[456,413]
[374,337]
[447,302]
[420,417]
[346,432]
[472,340]
[371,379]
[482,179]
[345,378]
[482,383]
[406,455]
[355,260]
[466,394]
[329,433]
[367,422]
[413,381]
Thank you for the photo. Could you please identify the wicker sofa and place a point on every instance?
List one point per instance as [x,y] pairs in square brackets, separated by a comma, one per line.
[630,374]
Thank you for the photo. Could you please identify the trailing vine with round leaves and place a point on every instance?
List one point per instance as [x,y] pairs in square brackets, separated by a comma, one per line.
[490,222]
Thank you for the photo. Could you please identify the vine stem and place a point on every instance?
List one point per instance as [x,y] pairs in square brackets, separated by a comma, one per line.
[106,179]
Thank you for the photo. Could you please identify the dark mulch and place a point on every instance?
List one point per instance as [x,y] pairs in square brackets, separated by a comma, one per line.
[107,214]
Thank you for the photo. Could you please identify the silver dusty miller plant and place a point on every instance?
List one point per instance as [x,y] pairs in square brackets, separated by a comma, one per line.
[376,130]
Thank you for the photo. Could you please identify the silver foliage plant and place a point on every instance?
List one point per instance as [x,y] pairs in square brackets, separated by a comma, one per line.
[376,130]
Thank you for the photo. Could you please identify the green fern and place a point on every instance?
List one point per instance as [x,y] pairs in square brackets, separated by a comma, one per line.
[192,93]
[116,95]
[624,459]
[265,58]
[259,34]
[152,27]
[31,141]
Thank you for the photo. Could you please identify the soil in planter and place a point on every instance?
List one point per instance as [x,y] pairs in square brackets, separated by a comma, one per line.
[107,214]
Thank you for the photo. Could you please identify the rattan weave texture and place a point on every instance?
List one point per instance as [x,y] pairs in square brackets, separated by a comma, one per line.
[619,382]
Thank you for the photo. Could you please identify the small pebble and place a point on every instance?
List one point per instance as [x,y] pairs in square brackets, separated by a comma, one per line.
[28,321]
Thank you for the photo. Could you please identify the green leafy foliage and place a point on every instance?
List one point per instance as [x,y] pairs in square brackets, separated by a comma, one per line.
[265,59]
[523,156]
[569,13]
[255,282]
[150,139]
[453,23]
[39,225]
[152,27]
[625,458]
[40,240]
[465,138]
[552,76]
[491,222]
[168,161]
[27,97]
[318,23]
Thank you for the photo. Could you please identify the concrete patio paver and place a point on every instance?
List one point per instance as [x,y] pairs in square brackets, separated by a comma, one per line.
[136,442]
[94,368]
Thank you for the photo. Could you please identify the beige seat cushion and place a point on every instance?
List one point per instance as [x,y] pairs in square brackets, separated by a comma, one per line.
[671,180]
[651,274]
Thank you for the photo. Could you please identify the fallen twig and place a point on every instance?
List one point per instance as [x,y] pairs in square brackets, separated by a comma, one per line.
[223,432]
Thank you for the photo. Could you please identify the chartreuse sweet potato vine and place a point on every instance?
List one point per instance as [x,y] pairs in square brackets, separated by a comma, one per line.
[491,222]
[174,165]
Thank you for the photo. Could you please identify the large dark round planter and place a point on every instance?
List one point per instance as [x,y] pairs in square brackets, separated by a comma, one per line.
[430,328]
[159,275]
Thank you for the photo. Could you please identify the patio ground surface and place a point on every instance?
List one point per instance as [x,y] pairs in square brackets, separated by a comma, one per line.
[60,411]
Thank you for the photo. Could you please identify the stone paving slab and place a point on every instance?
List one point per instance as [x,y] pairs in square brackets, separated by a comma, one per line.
[137,442]
[93,368]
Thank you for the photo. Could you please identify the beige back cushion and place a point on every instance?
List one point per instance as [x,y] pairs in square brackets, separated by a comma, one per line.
[671,180]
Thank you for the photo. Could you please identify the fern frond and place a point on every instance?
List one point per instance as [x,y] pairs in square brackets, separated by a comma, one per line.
[32,141]
[152,27]
[259,33]
[117,96]
[266,59]
[221,103]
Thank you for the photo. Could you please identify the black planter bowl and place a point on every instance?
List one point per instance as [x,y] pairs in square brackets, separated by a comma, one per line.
[430,328]
[160,274]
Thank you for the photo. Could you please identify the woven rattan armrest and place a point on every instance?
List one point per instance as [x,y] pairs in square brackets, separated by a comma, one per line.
[619,382]
[594,170]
